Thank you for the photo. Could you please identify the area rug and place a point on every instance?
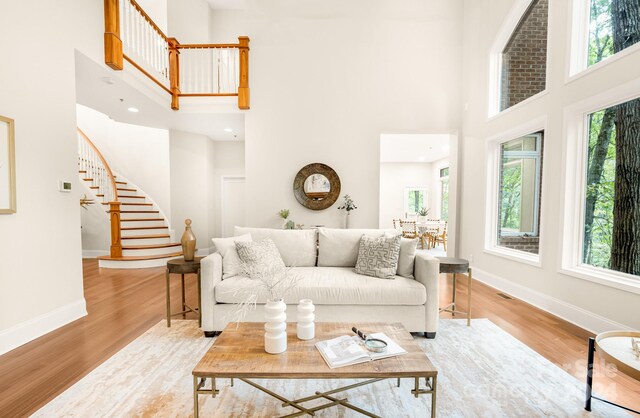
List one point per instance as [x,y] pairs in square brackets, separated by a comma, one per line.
[483,372]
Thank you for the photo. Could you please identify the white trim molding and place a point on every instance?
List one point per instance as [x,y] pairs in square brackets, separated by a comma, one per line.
[36,327]
[582,318]
[575,157]
[492,151]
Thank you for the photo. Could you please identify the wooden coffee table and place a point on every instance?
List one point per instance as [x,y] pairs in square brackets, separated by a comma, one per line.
[239,353]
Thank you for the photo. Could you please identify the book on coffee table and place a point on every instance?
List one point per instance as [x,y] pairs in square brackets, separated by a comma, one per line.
[349,350]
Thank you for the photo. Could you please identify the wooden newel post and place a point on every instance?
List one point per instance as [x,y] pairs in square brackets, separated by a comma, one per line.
[116,239]
[112,42]
[243,87]
[174,72]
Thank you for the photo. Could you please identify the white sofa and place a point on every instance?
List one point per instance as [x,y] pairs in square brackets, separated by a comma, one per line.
[323,263]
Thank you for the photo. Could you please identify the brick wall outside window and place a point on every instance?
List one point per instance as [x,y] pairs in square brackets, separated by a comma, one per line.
[524,58]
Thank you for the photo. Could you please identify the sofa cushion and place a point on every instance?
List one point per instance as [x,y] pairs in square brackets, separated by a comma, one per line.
[339,247]
[378,256]
[407,257]
[330,286]
[297,247]
[226,247]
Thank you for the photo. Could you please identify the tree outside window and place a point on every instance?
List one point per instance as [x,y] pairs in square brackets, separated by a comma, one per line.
[415,199]
[612,27]
[444,194]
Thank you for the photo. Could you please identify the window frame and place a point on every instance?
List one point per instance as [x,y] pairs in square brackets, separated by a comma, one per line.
[493,155]
[503,35]
[576,126]
[578,57]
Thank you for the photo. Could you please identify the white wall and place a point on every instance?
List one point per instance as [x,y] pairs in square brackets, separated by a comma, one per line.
[188,21]
[395,178]
[40,250]
[579,300]
[138,153]
[157,11]
[96,227]
[327,80]
[228,160]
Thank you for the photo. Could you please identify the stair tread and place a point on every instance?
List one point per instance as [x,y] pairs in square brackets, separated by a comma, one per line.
[137,211]
[121,182]
[137,228]
[142,220]
[130,196]
[133,204]
[87,179]
[124,189]
[140,257]
[147,236]
[150,246]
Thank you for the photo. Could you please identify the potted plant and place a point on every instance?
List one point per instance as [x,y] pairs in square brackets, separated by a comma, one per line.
[288,224]
[422,215]
[348,205]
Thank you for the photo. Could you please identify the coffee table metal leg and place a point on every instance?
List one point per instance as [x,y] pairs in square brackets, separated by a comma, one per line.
[184,301]
[587,404]
[433,396]
[168,299]
[453,308]
[469,299]
[196,412]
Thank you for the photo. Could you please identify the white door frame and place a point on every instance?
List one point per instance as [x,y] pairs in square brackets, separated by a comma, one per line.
[224,179]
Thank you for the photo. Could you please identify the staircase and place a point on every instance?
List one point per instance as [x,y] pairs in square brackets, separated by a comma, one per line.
[140,230]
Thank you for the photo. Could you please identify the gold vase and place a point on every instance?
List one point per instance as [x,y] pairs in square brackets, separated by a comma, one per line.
[188,242]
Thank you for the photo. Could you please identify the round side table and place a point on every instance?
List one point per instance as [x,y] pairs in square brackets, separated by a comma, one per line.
[182,267]
[455,266]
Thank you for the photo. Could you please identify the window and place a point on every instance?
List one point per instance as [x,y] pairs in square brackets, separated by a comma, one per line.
[414,200]
[612,27]
[611,227]
[444,194]
[524,58]
[520,173]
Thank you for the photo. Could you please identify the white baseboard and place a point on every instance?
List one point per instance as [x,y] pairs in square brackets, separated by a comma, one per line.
[578,316]
[94,253]
[36,327]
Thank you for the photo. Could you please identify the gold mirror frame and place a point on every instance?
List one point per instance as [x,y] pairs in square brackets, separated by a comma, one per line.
[10,150]
[308,170]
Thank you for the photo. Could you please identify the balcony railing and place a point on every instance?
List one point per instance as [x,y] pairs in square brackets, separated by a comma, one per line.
[182,70]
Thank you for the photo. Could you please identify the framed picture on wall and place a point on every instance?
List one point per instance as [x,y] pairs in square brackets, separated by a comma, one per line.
[7,166]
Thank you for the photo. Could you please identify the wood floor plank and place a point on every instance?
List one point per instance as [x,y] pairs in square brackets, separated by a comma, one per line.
[123,304]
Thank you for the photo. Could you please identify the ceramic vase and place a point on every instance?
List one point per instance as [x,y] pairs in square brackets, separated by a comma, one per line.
[306,327]
[422,219]
[188,242]
[346,222]
[275,327]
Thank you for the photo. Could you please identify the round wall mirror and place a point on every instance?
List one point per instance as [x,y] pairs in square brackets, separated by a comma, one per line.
[316,186]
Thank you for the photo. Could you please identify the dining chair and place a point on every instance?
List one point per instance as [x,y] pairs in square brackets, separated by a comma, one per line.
[442,236]
[409,229]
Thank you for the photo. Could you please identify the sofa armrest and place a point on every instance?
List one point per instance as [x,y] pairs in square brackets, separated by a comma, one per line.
[210,276]
[426,271]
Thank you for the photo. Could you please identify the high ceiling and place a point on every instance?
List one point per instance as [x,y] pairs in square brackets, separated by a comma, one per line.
[226,4]
[112,93]
[413,148]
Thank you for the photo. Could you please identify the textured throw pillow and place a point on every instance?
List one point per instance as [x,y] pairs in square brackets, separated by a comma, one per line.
[231,265]
[407,257]
[260,258]
[378,256]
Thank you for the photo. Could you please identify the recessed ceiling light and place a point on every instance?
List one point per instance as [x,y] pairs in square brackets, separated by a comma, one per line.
[108,80]
[228,130]
[133,109]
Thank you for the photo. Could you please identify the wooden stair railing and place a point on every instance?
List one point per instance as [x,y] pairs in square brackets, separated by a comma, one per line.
[94,166]
[204,69]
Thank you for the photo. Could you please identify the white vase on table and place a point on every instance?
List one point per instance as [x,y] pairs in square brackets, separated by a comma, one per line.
[275,327]
[306,328]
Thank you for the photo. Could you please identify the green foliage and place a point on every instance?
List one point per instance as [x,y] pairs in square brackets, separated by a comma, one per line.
[415,199]
[599,253]
[348,204]
[284,213]
[444,200]
[511,176]
[423,211]
[600,31]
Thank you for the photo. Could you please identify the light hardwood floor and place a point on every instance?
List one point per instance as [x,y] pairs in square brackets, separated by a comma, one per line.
[122,304]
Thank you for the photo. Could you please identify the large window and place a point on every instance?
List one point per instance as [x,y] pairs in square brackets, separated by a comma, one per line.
[611,229]
[524,57]
[613,26]
[520,174]
[444,194]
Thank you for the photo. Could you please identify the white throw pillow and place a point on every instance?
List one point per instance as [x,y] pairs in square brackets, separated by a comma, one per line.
[339,247]
[297,247]
[260,258]
[378,256]
[407,257]
[231,264]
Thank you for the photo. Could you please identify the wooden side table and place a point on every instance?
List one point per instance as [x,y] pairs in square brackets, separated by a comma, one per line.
[454,266]
[182,267]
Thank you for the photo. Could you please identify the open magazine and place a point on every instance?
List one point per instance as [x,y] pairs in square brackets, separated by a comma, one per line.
[349,350]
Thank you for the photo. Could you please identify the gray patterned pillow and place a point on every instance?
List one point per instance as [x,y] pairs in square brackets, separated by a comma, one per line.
[259,258]
[378,256]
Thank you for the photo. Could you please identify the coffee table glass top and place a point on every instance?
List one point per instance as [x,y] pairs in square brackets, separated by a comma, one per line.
[239,352]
